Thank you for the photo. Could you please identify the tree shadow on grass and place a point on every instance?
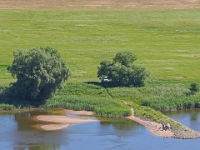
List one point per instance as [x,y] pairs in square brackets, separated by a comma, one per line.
[103,84]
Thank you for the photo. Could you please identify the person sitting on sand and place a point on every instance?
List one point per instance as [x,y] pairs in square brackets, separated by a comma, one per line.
[167,126]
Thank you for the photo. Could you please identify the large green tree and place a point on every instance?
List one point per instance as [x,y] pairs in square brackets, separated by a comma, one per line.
[122,71]
[40,72]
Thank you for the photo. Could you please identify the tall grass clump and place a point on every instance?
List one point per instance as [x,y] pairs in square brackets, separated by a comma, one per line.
[91,97]
[126,93]
[7,107]
[171,98]
[84,89]
[101,107]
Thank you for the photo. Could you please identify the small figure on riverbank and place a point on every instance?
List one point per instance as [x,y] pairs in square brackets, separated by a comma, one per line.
[163,127]
[167,126]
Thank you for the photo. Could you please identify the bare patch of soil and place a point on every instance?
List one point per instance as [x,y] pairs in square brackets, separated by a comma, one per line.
[99,4]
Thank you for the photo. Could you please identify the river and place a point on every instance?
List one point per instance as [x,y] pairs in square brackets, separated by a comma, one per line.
[21,131]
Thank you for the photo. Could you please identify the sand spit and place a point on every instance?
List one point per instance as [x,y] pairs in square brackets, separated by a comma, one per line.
[61,122]
[51,127]
[156,129]
[153,127]
[186,133]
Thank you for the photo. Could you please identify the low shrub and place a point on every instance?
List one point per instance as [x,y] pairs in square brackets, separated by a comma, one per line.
[6,107]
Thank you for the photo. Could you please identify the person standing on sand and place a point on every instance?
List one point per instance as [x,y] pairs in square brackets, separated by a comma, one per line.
[163,126]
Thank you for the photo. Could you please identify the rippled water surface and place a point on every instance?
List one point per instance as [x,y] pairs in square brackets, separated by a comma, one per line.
[21,132]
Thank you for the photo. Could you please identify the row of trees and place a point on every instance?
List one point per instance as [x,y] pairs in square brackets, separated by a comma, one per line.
[40,72]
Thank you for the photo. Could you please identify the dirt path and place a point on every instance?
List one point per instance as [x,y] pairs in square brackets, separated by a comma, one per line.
[99,4]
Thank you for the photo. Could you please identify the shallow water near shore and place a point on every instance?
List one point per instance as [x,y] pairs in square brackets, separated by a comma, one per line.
[21,131]
[190,118]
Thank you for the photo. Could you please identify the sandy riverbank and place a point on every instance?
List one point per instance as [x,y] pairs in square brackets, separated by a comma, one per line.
[60,122]
[154,127]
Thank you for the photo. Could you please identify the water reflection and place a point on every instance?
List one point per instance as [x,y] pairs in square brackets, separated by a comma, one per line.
[190,118]
[120,124]
[17,133]
[28,120]
[194,115]
[29,136]
[38,146]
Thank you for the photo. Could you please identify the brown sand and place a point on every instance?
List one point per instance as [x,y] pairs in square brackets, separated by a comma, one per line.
[64,121]
[51,127]
[153,127]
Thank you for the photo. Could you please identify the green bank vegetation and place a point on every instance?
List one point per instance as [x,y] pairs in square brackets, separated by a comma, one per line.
[166,43]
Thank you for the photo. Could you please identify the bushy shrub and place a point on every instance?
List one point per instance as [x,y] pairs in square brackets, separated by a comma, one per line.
[122,72]
[193,88]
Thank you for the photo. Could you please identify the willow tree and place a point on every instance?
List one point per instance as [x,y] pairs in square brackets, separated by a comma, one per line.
[39,73]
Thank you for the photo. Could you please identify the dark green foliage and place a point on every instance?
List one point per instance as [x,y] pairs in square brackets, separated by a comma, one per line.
[194,88]
[40,72]
[122,71]
[124,58]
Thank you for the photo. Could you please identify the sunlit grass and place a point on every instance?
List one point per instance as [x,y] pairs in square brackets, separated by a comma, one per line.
[166,42]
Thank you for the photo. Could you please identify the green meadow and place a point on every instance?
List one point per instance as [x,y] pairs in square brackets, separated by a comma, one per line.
[166,43]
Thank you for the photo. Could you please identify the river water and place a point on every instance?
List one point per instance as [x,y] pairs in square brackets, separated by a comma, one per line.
[21,132]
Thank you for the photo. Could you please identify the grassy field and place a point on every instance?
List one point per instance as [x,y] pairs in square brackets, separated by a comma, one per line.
[166,42]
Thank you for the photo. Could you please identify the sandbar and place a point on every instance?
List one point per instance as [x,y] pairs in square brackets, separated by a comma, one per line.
[51,127]
[61,122]
[153,127]
[81,112]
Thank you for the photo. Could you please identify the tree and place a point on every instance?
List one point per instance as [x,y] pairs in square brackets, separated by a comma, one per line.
[121,71]
[40,72]
[124,58]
